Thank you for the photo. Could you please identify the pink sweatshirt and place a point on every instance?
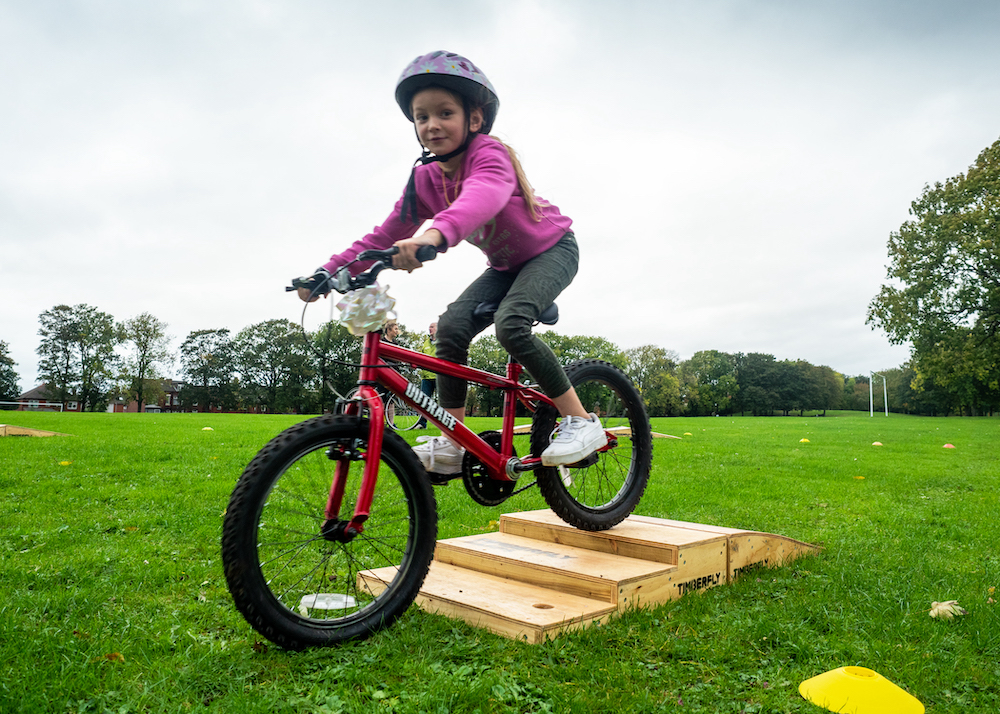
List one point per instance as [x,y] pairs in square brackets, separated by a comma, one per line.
[485,207]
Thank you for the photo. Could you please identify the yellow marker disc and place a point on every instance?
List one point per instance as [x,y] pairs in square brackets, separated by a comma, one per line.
[858,690]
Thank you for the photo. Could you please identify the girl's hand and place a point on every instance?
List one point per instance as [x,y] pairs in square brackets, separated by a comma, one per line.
[406,258]
[307,295]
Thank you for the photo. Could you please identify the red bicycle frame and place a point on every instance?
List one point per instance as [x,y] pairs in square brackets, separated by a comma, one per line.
[501,465]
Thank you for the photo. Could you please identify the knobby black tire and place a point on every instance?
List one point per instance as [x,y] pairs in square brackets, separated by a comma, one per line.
[277,561]
[601,495]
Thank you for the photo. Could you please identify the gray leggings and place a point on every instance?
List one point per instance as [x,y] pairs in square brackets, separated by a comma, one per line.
[522,296]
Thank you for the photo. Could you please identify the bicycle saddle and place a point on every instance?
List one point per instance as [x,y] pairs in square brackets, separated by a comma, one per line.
[485,311]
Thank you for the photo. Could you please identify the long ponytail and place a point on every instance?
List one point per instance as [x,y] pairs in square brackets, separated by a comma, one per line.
[534,205]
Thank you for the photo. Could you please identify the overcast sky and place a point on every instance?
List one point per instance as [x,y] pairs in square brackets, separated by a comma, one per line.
[733,169]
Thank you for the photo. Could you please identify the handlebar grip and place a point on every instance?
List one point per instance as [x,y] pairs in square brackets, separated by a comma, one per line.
[426,253]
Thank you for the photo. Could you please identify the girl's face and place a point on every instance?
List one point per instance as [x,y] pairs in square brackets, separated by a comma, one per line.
[440,120]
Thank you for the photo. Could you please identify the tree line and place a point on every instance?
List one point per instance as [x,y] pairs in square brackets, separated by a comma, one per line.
[275,366]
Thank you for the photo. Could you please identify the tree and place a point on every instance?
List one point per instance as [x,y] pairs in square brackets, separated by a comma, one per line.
[77,353]
[855,394]
[569,348]
[96,338]
[794,389]
[149,347]
[58,367]
[274,364]
[708,382]
[652,369]
[962,368]
[663,395]
[9,381]
[757,377]
[487,354]
[336,354]
[945,294]
[831,388]
[209,366]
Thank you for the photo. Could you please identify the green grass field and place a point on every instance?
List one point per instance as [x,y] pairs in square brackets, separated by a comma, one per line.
[113,597]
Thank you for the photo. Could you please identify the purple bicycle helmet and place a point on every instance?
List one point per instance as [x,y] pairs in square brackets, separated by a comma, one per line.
[451,71]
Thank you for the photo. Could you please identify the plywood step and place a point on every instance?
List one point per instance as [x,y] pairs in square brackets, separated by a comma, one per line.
[509,608]
[583,572]
[632,538]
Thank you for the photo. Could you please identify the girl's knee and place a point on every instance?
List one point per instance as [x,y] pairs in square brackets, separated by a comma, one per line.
[452,340]
[513,332]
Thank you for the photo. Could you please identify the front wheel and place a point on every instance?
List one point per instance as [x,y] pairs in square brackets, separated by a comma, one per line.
[605,488]
[294,574]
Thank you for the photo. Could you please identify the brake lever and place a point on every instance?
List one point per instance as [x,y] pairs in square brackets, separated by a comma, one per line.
[317,283]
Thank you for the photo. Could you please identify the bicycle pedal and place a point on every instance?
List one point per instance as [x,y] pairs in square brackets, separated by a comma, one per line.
[585,462]
[441,479]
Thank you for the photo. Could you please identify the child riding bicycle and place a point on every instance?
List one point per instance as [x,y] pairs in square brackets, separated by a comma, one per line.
[473,188]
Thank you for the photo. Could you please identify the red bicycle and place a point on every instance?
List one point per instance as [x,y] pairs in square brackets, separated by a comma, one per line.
[331,528]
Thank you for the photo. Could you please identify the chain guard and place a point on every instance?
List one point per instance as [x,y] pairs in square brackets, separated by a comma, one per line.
[484,490]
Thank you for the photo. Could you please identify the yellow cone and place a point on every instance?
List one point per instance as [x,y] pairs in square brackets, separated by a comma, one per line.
[858,690]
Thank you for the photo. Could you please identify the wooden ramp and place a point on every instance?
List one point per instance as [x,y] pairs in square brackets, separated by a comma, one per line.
[539,576]
[11,430]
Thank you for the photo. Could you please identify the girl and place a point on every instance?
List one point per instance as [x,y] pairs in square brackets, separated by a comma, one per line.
[474,189]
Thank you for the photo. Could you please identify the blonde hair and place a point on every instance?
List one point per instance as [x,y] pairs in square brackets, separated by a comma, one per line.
[534,205]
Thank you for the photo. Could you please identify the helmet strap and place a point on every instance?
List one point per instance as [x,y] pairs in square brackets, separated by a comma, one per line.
[410,195]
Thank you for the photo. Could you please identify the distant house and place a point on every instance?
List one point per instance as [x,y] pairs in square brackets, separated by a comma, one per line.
[168,391]
[39,400]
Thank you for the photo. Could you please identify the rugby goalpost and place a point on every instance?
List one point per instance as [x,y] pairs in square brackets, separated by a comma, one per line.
[871,395]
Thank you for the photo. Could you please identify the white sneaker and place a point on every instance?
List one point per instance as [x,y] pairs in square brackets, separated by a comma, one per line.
[574,439]
[439,455]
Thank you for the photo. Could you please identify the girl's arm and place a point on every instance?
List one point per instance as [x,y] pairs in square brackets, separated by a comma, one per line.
[381,237]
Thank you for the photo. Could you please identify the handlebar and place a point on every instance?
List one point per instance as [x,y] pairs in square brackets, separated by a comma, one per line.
[321,282]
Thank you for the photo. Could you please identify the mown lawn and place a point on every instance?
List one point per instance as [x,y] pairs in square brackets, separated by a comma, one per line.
[114,598]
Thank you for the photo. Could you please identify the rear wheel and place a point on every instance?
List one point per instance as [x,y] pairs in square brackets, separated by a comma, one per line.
[295,575]
[399,416]
[602,490]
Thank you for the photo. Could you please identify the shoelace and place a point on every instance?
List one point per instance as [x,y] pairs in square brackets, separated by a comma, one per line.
[566,427]
[433,443]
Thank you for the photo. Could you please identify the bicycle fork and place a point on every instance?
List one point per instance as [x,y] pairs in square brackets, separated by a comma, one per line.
[334,528]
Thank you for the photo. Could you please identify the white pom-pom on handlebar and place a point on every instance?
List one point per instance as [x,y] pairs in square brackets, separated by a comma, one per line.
[366,309]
